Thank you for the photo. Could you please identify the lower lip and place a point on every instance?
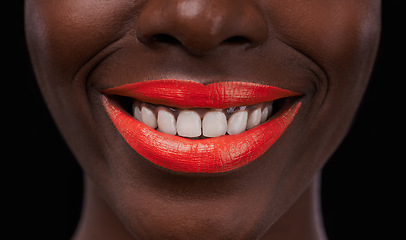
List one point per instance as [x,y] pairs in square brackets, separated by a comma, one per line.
[210,155]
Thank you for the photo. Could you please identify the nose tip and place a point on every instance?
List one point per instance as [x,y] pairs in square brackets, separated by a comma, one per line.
[201,25]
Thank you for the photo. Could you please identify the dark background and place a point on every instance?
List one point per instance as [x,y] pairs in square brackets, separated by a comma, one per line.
[362,182]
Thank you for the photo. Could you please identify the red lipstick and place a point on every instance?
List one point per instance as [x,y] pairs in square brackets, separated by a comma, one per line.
[191,94]
[210,155]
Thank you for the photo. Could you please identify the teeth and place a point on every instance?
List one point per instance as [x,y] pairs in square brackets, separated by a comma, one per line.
[166,122]
[264,115]
[254,119]
[189,124]
[237,122]
[214,124]
[266,112]
[148,117]
[137,112]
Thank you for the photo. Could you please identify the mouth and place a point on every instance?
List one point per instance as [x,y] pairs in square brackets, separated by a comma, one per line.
[185,126]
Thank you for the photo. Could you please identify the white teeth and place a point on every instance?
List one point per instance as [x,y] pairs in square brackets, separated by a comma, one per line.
[266,112]
[189,124]
[137,113]
[148,117]
[254,119]
[237,122]
[214,124]
[166,122]
[264,115]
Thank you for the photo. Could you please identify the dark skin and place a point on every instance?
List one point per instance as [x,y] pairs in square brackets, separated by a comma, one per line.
[324,50]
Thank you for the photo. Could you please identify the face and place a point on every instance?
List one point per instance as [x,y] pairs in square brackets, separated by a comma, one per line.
[121,78]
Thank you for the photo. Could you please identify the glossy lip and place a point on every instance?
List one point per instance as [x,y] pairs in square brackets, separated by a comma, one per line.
[210,155]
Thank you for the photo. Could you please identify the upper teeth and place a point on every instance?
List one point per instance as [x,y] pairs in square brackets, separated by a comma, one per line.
[201,122]
[214,124]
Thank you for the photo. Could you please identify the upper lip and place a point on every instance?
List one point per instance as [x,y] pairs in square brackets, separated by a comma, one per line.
[191,94]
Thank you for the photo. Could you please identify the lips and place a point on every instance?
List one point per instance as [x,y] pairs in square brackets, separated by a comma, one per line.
[208,155]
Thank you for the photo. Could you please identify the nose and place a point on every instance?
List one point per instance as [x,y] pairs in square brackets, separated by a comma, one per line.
[201,25]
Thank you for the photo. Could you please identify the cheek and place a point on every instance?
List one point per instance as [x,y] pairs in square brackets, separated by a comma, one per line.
[64,35]
[341,38]
[337,35]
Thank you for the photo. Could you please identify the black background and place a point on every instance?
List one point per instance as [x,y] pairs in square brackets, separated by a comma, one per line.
[362,182]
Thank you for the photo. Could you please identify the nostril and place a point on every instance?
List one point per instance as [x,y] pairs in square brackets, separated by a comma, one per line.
[237,40]
[166,39]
